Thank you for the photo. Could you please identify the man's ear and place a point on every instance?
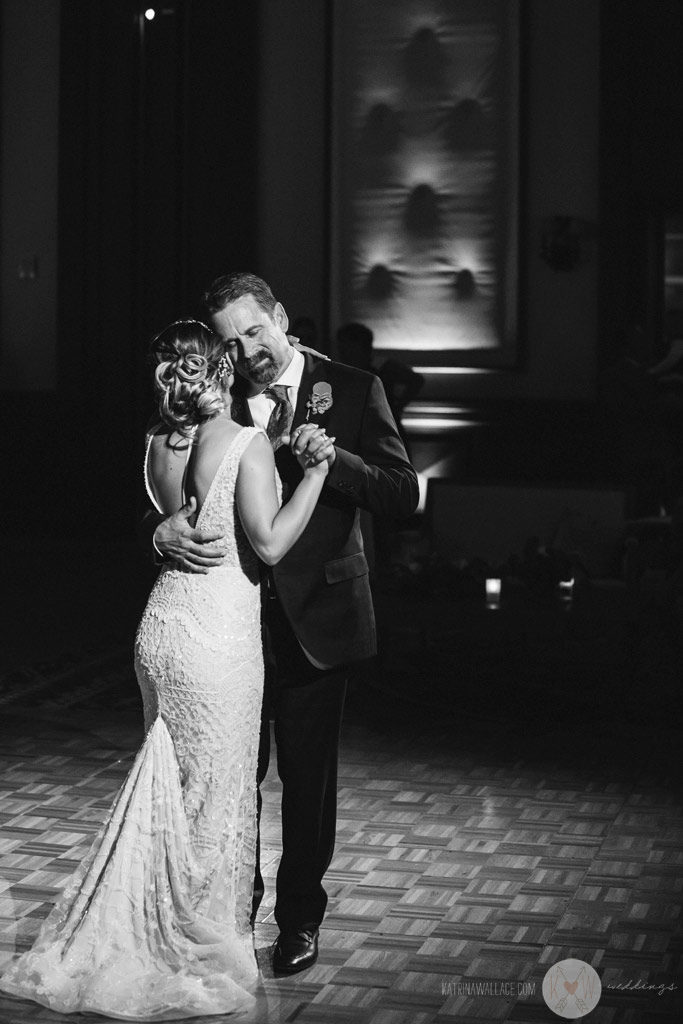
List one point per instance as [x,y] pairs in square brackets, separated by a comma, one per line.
[280,317]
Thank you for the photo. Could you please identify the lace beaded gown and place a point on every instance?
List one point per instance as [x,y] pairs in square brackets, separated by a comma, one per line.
[154,924]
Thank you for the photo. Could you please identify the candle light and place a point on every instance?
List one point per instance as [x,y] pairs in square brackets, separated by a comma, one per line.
[492,592]
[566,588]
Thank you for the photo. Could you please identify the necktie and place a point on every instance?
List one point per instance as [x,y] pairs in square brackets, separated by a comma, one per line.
[281,417]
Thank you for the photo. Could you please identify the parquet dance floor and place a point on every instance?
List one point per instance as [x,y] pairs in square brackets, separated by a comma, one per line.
[472,853]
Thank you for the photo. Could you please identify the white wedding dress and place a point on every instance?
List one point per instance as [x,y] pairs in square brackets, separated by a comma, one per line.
[154,924]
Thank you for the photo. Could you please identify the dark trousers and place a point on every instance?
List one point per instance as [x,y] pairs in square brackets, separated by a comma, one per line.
[306,705]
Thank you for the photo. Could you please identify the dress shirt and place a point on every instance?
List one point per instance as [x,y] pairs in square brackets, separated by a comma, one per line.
[261,405]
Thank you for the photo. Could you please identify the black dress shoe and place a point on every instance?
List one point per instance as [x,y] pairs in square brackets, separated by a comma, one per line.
[295,951]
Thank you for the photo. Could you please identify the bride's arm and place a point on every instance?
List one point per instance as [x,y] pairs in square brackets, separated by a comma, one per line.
[272,530]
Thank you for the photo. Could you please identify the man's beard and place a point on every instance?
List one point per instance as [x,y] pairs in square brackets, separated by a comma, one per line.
[260,368]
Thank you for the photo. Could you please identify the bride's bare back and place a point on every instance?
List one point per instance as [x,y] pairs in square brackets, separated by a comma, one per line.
[180,467]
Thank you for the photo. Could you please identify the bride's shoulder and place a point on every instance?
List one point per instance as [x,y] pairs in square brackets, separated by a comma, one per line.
[216,427]
[256,448]
[216,434]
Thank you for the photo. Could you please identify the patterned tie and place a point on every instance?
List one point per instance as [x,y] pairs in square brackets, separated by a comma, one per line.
[281,417]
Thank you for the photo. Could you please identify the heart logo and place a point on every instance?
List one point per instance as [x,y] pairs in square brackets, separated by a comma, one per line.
[571,988]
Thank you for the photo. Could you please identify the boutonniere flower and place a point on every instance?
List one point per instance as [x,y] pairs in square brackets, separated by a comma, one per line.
[320,399]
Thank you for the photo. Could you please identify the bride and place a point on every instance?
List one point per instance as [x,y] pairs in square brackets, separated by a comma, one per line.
[154,924]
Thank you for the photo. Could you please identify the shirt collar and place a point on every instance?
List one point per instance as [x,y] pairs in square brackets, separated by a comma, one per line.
[291,378]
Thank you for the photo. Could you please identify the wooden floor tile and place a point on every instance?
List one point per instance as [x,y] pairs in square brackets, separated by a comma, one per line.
[456,865]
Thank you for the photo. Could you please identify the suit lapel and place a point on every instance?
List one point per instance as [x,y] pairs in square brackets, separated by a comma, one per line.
[314,370]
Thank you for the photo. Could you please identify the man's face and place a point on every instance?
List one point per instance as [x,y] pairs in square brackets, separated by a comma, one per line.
[255,342]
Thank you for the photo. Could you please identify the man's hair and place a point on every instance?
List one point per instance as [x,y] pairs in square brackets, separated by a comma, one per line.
[230,287]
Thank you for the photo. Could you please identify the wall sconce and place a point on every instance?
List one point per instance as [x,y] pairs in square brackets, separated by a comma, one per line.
[563,241]
[466,128]
[465,284]
[424,60]
[380,284]
[422,215]
[381,130]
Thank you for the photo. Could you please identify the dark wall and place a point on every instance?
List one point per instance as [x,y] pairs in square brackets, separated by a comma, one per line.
[160,153]
[157,164]
[627,434]
[641,162]
[560,148]
[29,139]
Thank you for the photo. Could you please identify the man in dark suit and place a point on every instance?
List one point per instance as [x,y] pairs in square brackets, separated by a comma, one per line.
[318,615]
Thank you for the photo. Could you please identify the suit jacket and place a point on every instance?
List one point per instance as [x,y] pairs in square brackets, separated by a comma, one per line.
[323,581]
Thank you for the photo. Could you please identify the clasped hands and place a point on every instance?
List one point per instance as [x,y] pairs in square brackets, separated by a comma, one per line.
[199,550]
[311,445]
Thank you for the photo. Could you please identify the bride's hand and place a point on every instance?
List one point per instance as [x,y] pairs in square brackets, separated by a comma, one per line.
[314,450]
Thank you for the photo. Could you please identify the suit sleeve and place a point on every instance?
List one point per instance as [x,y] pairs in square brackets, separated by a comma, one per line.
[379,477]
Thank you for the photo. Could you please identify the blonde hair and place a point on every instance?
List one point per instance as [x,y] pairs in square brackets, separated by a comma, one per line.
[190,366]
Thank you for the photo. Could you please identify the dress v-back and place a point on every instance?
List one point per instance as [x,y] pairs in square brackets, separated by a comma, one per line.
[154,924]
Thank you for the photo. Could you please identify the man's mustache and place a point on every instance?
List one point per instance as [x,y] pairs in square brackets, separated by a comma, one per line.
[254,360]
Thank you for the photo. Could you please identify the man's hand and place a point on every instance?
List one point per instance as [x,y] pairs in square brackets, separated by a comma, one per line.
[193,550]
[311,445]
[295,343]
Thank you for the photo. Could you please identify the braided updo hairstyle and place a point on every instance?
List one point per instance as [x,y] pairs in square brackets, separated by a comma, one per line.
[189,373]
